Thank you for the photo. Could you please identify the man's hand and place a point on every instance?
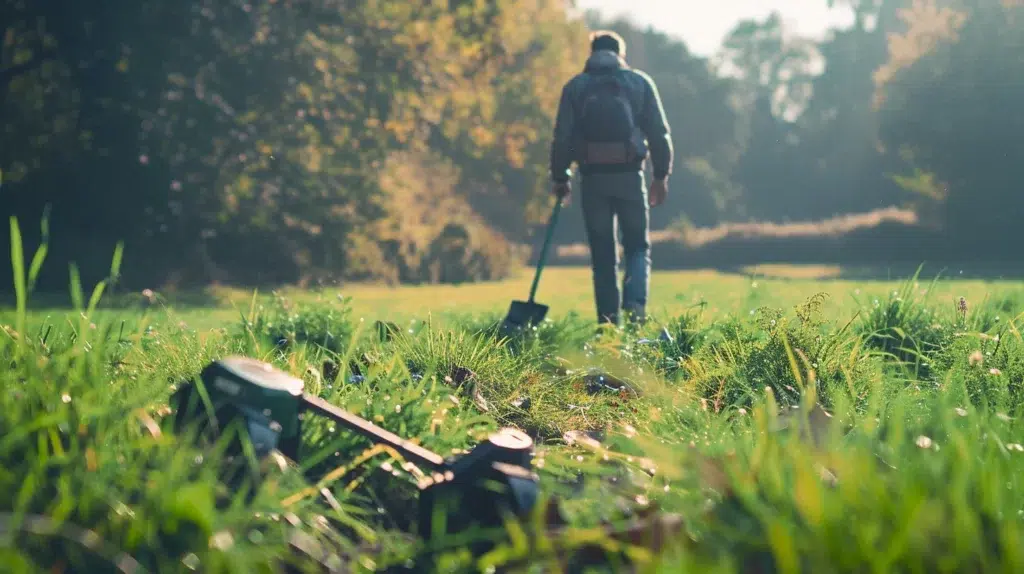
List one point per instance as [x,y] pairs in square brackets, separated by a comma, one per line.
[658,192]
[562,190]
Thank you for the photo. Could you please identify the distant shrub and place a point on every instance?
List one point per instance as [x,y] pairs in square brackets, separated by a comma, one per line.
[428,232]
[468,252]
[368,260]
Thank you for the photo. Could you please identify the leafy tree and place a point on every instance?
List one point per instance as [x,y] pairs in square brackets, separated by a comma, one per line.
[949,99]
[843,168]
[251,142]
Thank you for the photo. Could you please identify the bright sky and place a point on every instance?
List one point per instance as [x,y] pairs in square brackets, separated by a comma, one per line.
[704,24]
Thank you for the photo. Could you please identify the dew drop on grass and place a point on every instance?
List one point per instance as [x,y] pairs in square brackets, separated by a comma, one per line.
[122,510]
[222,540]
[191,561]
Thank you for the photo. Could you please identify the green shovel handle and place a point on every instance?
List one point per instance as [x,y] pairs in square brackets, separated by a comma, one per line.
[544,248]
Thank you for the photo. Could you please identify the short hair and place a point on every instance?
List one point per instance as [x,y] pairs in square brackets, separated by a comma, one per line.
[607,40]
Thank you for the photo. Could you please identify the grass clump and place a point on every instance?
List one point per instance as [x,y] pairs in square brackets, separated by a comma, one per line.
[666,347]
[786,353]
[987,369]
[904,327]
[324,322]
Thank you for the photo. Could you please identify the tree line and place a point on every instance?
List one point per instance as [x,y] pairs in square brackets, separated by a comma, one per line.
[272,141]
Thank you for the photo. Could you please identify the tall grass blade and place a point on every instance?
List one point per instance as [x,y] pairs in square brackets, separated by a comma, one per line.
[77,297]
[20,288]
[40,256]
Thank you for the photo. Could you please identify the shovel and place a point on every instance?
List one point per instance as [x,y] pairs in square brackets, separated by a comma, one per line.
[523,314]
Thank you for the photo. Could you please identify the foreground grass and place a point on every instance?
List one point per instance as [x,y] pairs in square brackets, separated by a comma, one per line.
[876,429]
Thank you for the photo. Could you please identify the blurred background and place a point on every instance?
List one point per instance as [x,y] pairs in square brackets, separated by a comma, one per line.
[322,141]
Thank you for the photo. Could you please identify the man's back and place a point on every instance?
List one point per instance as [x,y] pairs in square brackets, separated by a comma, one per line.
[649,116]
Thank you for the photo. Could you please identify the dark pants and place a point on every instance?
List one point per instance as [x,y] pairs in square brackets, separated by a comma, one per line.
[614,202]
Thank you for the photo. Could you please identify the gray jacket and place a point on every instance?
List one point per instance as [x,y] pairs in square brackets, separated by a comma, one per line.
[646,102]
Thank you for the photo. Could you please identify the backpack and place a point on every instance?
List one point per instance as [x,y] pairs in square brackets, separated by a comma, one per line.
[607,124]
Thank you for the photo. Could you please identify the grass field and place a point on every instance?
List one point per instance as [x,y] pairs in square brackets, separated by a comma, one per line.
[567,290]
[796,422]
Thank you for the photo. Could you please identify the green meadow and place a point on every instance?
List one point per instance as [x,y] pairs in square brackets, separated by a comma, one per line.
[795,421]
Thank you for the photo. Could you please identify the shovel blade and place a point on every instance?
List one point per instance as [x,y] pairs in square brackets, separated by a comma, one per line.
[522,315]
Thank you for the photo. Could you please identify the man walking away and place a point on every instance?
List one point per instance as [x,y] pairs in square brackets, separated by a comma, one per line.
[608,117]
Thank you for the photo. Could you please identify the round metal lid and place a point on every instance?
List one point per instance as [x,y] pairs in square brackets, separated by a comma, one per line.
[263,374]
[512,439]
